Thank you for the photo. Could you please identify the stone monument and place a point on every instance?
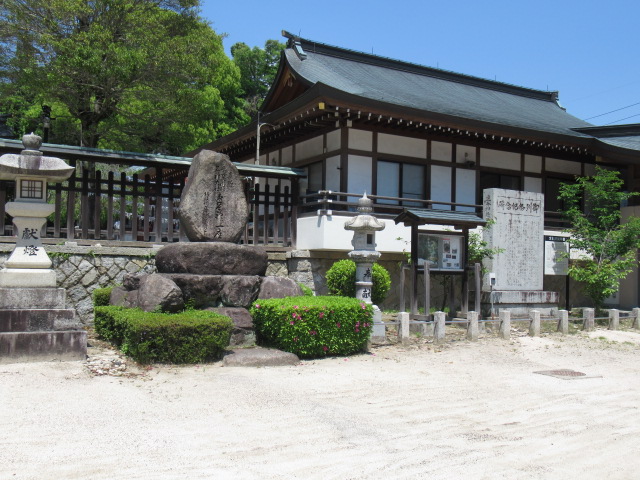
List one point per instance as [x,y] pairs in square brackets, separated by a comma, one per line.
[210,271]
[34,323]
[364,254]
[515,278]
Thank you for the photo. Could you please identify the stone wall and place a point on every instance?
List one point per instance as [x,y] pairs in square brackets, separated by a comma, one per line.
[82,269]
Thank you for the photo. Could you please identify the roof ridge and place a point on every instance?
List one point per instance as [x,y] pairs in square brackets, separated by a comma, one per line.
[312,46]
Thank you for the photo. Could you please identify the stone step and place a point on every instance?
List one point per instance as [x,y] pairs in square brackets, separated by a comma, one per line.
[42,346]
[32,320]
[37,297]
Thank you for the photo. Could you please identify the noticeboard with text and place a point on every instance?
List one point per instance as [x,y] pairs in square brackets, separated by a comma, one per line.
[440,252]
[556,255]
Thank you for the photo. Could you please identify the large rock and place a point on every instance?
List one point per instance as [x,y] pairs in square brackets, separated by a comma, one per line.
[259,357]
[203,291]
[279,287]
[212,258]
[158,292]
[242,333]
[213,206]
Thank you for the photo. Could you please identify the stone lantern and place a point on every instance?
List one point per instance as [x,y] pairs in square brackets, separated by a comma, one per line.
[29,265]
[364,253]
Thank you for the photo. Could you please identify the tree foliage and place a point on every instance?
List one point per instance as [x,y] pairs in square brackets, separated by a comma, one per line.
[143,75]
[592,206]
[258,68]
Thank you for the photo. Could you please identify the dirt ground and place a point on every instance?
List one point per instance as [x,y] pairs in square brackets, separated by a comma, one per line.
[457,411]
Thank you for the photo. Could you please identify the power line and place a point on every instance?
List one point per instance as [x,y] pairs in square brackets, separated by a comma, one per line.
[612,111]
[637,115]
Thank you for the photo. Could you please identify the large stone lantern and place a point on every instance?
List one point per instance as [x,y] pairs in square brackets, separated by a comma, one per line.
[29,265]
[364,253]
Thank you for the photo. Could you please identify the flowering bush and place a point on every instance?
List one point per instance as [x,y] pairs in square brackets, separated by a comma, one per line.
[313,326]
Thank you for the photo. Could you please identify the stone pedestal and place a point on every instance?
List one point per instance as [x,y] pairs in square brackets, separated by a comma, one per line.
[35,326]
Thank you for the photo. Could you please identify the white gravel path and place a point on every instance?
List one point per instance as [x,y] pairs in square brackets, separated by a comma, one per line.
[460,411]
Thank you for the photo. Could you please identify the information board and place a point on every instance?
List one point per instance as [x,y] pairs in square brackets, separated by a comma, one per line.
[556,255]
[441,252]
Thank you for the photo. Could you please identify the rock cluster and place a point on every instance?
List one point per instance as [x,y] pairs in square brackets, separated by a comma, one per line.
[212,272]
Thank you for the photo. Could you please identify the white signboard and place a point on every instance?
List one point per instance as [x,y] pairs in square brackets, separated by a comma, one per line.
[556,255]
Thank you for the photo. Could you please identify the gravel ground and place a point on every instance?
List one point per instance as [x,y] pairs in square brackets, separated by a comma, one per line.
[454,411]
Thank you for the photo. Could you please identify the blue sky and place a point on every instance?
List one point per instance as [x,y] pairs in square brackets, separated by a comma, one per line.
[587,50]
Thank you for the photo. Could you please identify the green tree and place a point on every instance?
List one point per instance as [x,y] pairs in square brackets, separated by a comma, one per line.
[592,207]
[258,68]
[144,75]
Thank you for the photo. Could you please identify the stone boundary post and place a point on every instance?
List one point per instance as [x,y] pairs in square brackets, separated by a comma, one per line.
[403,319]
[614,319]
[589,323]
[534,324]
[636,318]
[563,321]
[472,326]
[438,331]
[505,324]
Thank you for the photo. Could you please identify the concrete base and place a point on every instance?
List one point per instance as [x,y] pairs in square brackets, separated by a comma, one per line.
[27,277]
[42,346]
[519,302]
[35,326]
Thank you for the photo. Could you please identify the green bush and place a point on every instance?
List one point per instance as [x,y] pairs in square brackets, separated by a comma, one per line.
[306,291]
[101,296]
[150,337]
[313,326]
[341,280]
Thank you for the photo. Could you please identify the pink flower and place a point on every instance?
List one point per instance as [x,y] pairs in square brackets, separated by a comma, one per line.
[357,324]
[257,305]
[321,314]
[312,332]
[363,306]
[325,348]
[295,339]
[295,307]
[357,330]
[338,324]
[292,322]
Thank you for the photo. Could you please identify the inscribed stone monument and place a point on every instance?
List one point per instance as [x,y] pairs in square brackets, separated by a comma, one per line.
[519,268]
[213,207]
[519,230]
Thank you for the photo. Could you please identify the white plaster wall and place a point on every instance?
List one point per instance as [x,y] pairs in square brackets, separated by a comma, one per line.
[360,139]
[309,148]
[441,151]
[562,166]
[397,145]
[333,140]
[286,155]
[499,159]
[327,232]
[461,150]
[532,163]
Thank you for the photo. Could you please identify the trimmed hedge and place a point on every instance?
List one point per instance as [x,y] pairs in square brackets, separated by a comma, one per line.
[313,326]
[341,280]
[150,337]
[101,296]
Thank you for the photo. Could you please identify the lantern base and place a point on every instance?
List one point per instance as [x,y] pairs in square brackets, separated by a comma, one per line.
[27,277]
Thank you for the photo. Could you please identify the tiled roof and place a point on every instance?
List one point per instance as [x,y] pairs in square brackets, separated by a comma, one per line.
[429,89]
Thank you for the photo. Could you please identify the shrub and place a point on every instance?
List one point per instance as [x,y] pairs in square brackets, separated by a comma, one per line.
[341,280]
[313,326]
[306,291]
[148,337]
[101,296]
